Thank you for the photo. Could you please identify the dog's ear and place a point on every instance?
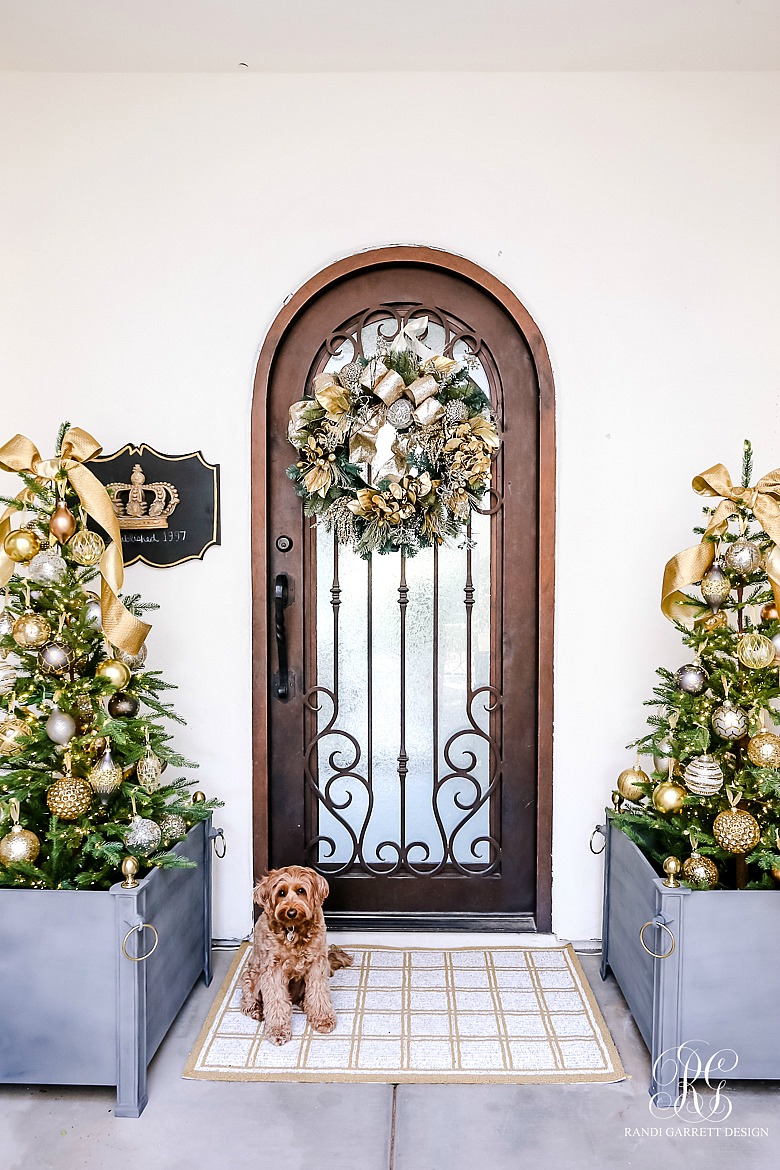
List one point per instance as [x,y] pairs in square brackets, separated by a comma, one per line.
[262,890]
[321,889]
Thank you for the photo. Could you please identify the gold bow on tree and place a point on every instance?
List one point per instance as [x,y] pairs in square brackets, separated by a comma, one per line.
[19,454]
[689,566]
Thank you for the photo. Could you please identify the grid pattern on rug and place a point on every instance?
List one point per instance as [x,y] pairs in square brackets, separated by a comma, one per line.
[514,1014]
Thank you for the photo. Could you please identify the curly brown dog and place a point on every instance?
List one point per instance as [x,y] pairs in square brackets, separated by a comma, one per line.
[290,961]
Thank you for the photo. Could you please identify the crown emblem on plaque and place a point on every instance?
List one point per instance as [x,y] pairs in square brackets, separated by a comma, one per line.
[139,504]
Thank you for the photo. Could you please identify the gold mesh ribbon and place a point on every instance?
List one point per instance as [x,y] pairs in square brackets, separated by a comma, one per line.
[688,567]
[121,628]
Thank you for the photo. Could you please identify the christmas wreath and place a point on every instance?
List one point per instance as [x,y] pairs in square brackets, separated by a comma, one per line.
[394,451]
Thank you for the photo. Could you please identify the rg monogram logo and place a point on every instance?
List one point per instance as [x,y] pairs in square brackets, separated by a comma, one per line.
[677,1070]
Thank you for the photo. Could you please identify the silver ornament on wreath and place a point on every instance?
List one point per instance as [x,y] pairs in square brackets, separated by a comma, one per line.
[715,587]
[729,721]
[703,776]
[399,415]
[691,678]
[456,411]
[743,557]
[349,375]
[55,658]
[47,567]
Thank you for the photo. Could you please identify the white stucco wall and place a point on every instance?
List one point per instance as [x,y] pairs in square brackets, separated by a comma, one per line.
[151,227]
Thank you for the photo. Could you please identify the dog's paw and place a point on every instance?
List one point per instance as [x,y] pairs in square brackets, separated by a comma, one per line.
[252,1009]
[281,1034]
[324,1024]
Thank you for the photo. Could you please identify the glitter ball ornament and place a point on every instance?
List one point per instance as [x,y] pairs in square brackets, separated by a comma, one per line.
[7,679]
[19,845]
[399,415]
[349,375]
[628,780]
[21,545]
[143,836]
[123,706]
[105,777]
[715,587]
[148,770]
[700,871]
[743,557]
[755,651]
[729,721]
[86,547]
[764,750]
[668,797]
[691,678]
[31,630]
[173,828]
[63,523]
[134,661]
[703,776]
[115,672]
[736,830]
[60,727]
[55,658]
[69,798]
[456,411]
[47,568]
[11,731]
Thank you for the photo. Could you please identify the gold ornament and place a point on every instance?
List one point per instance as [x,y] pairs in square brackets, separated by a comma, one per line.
[22,545]
[715,621]
[20,844]
[764,750]
[105,777]
[115,672]
[736,830]
[31,630]
[149,770]
[86,547]
[63,523]
[769,612]
[755,651]
[198,797]
[628,780]
[11,731]
[671,868]
[69,798]
[173,828]
[700,871]
[668,797]
[129,869]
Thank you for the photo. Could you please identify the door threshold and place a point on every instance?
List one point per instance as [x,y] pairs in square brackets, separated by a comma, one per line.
[432,922]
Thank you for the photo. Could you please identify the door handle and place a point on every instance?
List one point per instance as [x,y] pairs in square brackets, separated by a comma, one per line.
[282,596]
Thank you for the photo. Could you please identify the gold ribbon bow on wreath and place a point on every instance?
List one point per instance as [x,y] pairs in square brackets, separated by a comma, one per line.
[121,627]
[688,567]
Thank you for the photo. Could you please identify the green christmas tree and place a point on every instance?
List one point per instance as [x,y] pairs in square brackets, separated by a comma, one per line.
[83,724]
[713,797]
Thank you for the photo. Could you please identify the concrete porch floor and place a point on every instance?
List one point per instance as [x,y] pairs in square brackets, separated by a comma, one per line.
[380,1127]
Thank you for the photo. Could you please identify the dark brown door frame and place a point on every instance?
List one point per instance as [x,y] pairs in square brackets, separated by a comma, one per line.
[430,258]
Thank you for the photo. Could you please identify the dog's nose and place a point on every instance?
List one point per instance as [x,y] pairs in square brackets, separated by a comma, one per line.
[292,913]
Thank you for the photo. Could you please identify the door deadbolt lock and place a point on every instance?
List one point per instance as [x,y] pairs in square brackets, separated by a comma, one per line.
[284,543]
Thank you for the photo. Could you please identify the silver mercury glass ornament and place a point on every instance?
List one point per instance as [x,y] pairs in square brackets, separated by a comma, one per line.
[47,567]
[715,587]
[134,661]
[105,777]
[691,678]
[730,721]
[143,835]
[743,557]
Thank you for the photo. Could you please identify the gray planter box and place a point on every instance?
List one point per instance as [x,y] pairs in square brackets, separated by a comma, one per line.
[74,1010]
[719,989]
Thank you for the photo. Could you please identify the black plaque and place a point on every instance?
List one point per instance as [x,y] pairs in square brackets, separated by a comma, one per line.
[167,505]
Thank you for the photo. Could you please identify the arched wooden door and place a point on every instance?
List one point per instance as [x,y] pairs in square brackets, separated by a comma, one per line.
[411,760]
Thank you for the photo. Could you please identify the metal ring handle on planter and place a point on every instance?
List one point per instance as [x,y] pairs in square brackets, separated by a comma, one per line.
[598,852]
[139,927]
[657,922]
[215,836]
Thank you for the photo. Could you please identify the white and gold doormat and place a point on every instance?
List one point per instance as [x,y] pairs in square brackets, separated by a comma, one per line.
[519,1015]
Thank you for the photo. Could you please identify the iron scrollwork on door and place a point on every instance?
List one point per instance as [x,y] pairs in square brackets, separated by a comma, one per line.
[408,655]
